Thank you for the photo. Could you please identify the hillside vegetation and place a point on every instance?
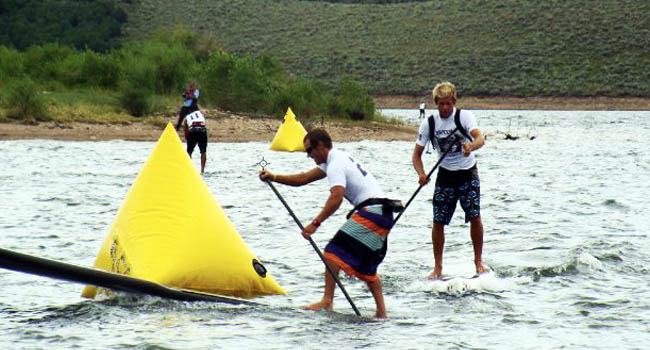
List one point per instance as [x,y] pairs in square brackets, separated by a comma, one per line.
[83,24]
[506,47]
[145,78]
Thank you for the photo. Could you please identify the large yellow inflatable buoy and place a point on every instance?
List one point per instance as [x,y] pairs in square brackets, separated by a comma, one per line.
[290,135]
[170,230]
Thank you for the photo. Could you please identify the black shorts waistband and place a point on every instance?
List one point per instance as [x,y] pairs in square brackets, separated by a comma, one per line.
[454,178]
[392,205]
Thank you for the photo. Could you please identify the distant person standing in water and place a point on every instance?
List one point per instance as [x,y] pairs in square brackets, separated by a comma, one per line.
[423,106]
[190,103]
[196,132]
[457,178]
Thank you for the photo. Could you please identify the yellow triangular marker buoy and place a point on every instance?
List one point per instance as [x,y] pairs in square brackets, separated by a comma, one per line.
[170,230]
[290,135]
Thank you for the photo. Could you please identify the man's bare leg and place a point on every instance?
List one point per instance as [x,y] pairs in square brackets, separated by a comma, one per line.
[203,160]
[438,240]
[476,232]
[327,302]
[376,291]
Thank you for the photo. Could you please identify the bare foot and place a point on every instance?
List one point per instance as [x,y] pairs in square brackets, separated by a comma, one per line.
[436,273]
[481,269]
[381,315]
[319,306]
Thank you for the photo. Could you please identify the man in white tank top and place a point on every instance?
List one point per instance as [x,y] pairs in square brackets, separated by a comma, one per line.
[360,244]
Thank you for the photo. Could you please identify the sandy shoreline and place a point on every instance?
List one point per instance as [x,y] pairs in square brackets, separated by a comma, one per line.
[227,127]
[232,128]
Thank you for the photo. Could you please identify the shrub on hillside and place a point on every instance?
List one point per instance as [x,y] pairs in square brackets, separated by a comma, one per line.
[352,101]
[89,69]
[43,63]
[249,86]
[201,46]
[24,101]
[234,83]
[135,100]
[305,97]
[11,63]
[82,24]
[158,66]
[92,70]
[215,72]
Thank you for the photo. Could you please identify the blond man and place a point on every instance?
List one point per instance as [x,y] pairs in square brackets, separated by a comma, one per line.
[455,135]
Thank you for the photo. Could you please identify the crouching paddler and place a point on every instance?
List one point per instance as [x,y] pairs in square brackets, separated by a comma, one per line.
[360,244]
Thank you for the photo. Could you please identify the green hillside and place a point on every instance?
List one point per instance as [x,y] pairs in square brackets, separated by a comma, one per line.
[507,47]
[83,24]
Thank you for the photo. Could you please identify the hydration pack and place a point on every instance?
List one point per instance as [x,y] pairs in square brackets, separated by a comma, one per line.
[459,127]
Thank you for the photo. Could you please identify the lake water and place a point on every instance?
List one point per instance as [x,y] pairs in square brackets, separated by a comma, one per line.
[567,228]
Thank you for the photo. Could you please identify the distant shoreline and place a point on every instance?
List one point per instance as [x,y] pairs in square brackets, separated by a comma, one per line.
[230,127]
[523,103]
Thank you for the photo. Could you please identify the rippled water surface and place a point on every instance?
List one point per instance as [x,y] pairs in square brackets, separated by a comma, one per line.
[565,209]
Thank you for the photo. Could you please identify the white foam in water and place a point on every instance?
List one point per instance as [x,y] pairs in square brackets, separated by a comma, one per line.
[458,281]
[590,261]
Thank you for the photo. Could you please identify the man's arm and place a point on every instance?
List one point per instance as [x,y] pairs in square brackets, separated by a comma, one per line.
[478,142]
[186,129]
[331,206]
[417,164]
[181,118]
[294,179]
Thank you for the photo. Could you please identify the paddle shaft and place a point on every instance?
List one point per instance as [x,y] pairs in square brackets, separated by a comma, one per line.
[311,241]
[422,185]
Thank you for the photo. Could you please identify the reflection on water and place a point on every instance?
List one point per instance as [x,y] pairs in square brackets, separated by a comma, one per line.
[565,217]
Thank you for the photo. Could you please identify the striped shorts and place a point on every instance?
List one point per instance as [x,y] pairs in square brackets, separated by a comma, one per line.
[360,244]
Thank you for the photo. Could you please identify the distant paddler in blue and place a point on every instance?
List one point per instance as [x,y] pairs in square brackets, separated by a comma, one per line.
[455,136]
[190,103]
[360,244]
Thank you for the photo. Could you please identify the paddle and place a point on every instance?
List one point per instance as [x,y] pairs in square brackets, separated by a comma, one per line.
[422,185]
[329,269]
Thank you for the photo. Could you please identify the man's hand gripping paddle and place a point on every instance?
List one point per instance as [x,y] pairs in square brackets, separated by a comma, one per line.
[428,177]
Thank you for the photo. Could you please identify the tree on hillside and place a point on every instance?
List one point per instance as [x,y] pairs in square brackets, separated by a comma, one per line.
[83,24]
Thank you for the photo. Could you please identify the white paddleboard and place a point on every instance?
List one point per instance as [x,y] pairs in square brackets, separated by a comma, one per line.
[460,280]
[463,284]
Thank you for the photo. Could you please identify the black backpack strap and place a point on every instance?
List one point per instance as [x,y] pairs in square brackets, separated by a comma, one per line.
[391,205]
[460,127]
[432,130]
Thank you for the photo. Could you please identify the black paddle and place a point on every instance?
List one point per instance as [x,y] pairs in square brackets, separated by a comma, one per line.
[329,269]
[422,185]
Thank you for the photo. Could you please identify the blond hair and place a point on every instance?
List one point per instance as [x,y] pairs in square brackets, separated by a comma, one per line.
[444,90]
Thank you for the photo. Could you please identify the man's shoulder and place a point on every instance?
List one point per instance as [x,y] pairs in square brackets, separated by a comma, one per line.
[466,113]
[339,157]
[425,121]
[337,154]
